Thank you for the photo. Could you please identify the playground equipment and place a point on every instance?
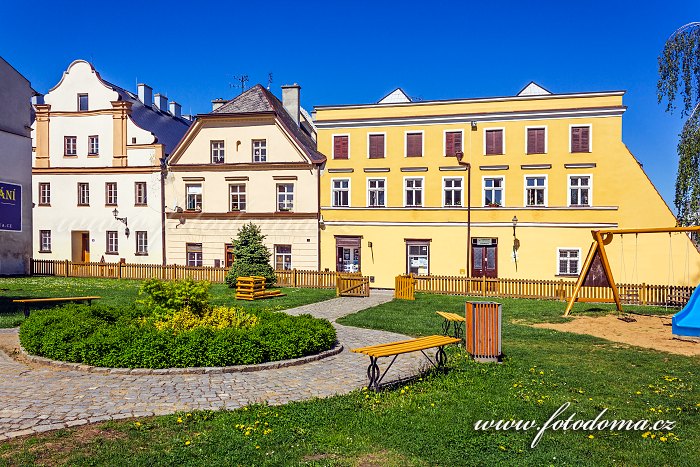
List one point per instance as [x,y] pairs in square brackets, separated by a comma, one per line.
[596,270]
[687,321]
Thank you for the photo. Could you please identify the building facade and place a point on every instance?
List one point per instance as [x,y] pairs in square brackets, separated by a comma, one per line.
[98,157]
[544,170]
[16,174]
[252,159]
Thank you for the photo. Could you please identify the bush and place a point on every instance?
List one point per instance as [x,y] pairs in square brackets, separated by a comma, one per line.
[120,337]
[165,298]
[252,258]
[219,317]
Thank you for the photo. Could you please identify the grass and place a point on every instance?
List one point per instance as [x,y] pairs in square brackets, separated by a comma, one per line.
[114,292]
[430,421]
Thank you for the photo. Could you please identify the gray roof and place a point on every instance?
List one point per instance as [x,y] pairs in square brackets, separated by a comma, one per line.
[259,100]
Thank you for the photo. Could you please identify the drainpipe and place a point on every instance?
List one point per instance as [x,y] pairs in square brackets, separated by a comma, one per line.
[163,174]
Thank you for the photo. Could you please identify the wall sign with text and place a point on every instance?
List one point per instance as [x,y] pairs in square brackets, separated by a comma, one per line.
[10,207]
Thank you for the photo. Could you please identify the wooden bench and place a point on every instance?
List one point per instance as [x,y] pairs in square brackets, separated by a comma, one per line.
[30,301]
[394,349]
[452,320]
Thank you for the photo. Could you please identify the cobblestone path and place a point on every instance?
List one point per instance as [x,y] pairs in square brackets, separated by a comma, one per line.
[35,398]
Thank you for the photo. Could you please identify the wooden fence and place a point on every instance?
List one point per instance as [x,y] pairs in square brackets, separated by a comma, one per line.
[352,285]
[405,287]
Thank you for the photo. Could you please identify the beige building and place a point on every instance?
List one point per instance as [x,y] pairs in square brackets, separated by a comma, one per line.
[252,159]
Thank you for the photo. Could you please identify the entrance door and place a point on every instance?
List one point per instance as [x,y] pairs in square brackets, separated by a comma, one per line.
[229,255]
[348,254]
[485,257]
[85,247]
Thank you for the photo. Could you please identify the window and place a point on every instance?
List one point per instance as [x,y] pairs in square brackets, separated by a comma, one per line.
[375,148]
[580,190]
[453,142]
[44,194]
[194,254]
[110,194]
[418,258]
[376,192]
[414,144]
[82,102]
[493,192]
[194,197]
[236,197]
[141,243]
[535,191]
[493,143]
[93,145]
[283,257]
[536,141]
[452,189]
[141,195]
[217,152]
[45,241]
[285,197]
[414,191]
[259,150]
[580,138]
[568,261]
[83,194]
[341,146]
[70,145]
[341,192]
[112,242]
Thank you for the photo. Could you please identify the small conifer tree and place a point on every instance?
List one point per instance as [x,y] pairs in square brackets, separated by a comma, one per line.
[251,256]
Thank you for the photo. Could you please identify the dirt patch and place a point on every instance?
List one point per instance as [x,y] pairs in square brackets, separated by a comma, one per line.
[646,331]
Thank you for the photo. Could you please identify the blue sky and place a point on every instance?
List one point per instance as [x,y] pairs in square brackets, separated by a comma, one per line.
[355,52]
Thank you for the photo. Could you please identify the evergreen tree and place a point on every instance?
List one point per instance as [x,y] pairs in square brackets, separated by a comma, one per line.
[251,256]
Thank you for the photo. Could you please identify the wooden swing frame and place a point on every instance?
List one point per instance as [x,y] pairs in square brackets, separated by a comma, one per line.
[600,239]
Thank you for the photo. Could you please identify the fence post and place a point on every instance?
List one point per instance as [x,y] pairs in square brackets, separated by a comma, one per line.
[643,294]
[294,277]
[483,285]
[119,272]
[562,291]
[66,270]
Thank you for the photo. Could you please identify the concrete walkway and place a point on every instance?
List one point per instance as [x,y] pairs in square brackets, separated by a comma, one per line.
[36,398]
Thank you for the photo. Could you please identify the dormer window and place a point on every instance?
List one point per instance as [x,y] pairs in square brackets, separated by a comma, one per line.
[259,150]
[217,152]
[82,102]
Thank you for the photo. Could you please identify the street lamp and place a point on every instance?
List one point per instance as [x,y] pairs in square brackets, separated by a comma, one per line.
[123,220]
[516,243]
[460,160]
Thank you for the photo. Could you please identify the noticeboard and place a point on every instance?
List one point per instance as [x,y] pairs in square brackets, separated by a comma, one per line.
[10,207]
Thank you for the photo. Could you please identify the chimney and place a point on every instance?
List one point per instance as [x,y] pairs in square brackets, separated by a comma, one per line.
[38,99]
[175,109]
[290,100]
[216,103]
[161,102]
[145,94]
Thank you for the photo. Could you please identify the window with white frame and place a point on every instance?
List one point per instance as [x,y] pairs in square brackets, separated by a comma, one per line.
[376,192]
[45,241]
[141,242]
[283,257]
[341,145]
[44,194]
[217,152]
[452,191]
[579,190]
[110,193]
[259,150]
[194,197]
[70,145]
[414,144]
[414,191]
[140,194]
[93,145]
[493,141]
[535,191]
[82,102]
[493,191]
[285,196]
[112,242]
[580,138]
[194,254]
[237,198]
[418,257]
[568,261]
[341,192]
[83,194]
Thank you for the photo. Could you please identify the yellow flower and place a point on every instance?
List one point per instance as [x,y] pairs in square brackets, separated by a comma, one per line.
[189,414]
[646,434]
[638,392]
[137,424]
[257,447]
[591,436]
[187,443]
[403,391]
[432,405]
[179,420]
[502,448]
[663,439]
[247,433]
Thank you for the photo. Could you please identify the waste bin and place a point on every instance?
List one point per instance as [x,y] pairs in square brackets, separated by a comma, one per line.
[483,326]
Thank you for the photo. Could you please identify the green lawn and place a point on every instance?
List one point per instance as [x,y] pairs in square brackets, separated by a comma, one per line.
[430,421]
[115,292]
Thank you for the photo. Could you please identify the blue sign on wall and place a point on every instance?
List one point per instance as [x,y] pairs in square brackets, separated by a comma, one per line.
[10,207]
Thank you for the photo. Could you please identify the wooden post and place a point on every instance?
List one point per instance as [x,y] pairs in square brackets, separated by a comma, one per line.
[294,277]
[483,285]
[643,294]
[119,270]
[65,272]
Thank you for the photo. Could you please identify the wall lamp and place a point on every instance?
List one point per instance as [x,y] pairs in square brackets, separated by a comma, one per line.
[515,224]
[123,220]
[473,125]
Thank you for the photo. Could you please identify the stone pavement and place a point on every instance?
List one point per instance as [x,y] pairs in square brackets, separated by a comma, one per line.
[35,398]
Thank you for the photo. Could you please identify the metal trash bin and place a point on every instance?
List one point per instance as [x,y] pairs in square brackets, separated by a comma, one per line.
[483,326]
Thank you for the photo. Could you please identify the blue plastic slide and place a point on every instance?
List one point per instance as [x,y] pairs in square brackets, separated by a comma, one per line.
[687,321]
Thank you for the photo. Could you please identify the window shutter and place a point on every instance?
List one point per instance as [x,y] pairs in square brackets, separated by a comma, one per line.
[449,144]
[584,139]
[414,145]
[457,142]
[531,143]
[539,146]
[376,146]
[498,142]
[340,147]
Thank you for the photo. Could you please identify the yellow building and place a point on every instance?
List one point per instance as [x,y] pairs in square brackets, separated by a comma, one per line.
[394,196]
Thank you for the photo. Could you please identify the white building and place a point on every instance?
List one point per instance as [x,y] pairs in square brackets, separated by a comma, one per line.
[99,150]
[15,171]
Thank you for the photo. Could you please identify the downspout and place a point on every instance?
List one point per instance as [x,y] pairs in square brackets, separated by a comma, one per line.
[318,216]
[163,174]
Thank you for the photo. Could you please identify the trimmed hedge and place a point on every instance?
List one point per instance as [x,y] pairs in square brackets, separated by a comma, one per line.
[115,337]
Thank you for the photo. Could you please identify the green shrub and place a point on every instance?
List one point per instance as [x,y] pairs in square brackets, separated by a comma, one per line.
[164,298]
[252,258]
[119,337]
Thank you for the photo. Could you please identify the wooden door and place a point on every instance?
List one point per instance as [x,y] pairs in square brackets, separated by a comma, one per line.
[229,255]
[485,260]
[85,247]
[347,257]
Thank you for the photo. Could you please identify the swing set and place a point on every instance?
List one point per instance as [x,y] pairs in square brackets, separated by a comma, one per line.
[596,270]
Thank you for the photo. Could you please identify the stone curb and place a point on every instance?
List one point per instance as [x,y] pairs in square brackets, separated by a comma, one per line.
[335,350]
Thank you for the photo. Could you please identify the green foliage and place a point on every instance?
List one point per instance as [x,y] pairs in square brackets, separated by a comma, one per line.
[252,258]
[118,337]
[164,298]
